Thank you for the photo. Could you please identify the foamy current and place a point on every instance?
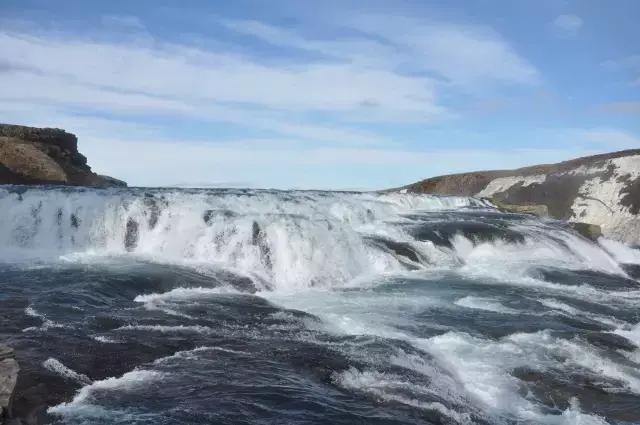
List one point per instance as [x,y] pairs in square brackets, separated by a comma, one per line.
[243,306]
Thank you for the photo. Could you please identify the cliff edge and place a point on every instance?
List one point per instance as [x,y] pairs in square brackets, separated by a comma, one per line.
[30,155]
[602,189]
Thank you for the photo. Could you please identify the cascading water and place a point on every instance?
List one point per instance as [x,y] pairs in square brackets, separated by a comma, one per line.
[242,306]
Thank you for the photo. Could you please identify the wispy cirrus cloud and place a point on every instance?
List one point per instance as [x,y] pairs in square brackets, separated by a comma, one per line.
[567,25]
[402,77]
[440,52]
[314,102]
[568,22]
[181,77]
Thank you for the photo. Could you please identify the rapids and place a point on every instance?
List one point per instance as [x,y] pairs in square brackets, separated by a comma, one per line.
[141,306]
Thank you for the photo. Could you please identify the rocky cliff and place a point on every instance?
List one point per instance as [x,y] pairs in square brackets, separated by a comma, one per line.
[31,155]
[603,190]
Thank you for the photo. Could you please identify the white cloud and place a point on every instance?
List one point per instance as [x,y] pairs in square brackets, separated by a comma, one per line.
[568,23]
[309,114]
[59,93]
[143,155]
[364,77]
[185,74]
[460,55]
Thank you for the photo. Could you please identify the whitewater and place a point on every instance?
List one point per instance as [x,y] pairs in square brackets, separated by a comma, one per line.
[238,306]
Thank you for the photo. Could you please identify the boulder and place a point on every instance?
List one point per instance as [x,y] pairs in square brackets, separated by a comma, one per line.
[589,231]
[8,377]
[602,190]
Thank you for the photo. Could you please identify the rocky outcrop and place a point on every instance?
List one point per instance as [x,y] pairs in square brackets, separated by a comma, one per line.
[587,230]
[533,209]
[31,155]
[602,190]
[111,181]
[8,377]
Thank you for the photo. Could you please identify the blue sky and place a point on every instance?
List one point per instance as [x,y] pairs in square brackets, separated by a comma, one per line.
[333,94]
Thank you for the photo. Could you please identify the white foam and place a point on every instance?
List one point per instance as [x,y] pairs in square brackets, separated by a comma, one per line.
[309,250]
[358,313]
[621,252]
[46,323]
[572,311]
[30,311]
[441,384]
[105,339]
[293,232]
[55,366]
[478,380]
[500,256]
[383,385]
[487,304]
[183,294]
[194,354]
[168,329]
[632,334]
[634,355]
[482,366]
[130,381]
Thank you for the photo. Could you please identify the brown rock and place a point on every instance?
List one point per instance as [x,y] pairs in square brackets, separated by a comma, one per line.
[568,190]
[25,159]
[31,155]
[589,231]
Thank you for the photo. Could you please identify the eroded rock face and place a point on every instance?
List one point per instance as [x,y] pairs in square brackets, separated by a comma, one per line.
[31,155]
[26,159]
[603,190]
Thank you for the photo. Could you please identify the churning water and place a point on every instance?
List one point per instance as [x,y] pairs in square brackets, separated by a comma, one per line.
[269,307]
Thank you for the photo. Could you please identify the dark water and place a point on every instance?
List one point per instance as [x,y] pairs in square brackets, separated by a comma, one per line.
[236,307]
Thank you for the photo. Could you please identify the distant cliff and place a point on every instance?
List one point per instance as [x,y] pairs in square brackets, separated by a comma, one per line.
[31,155]
[601,189]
